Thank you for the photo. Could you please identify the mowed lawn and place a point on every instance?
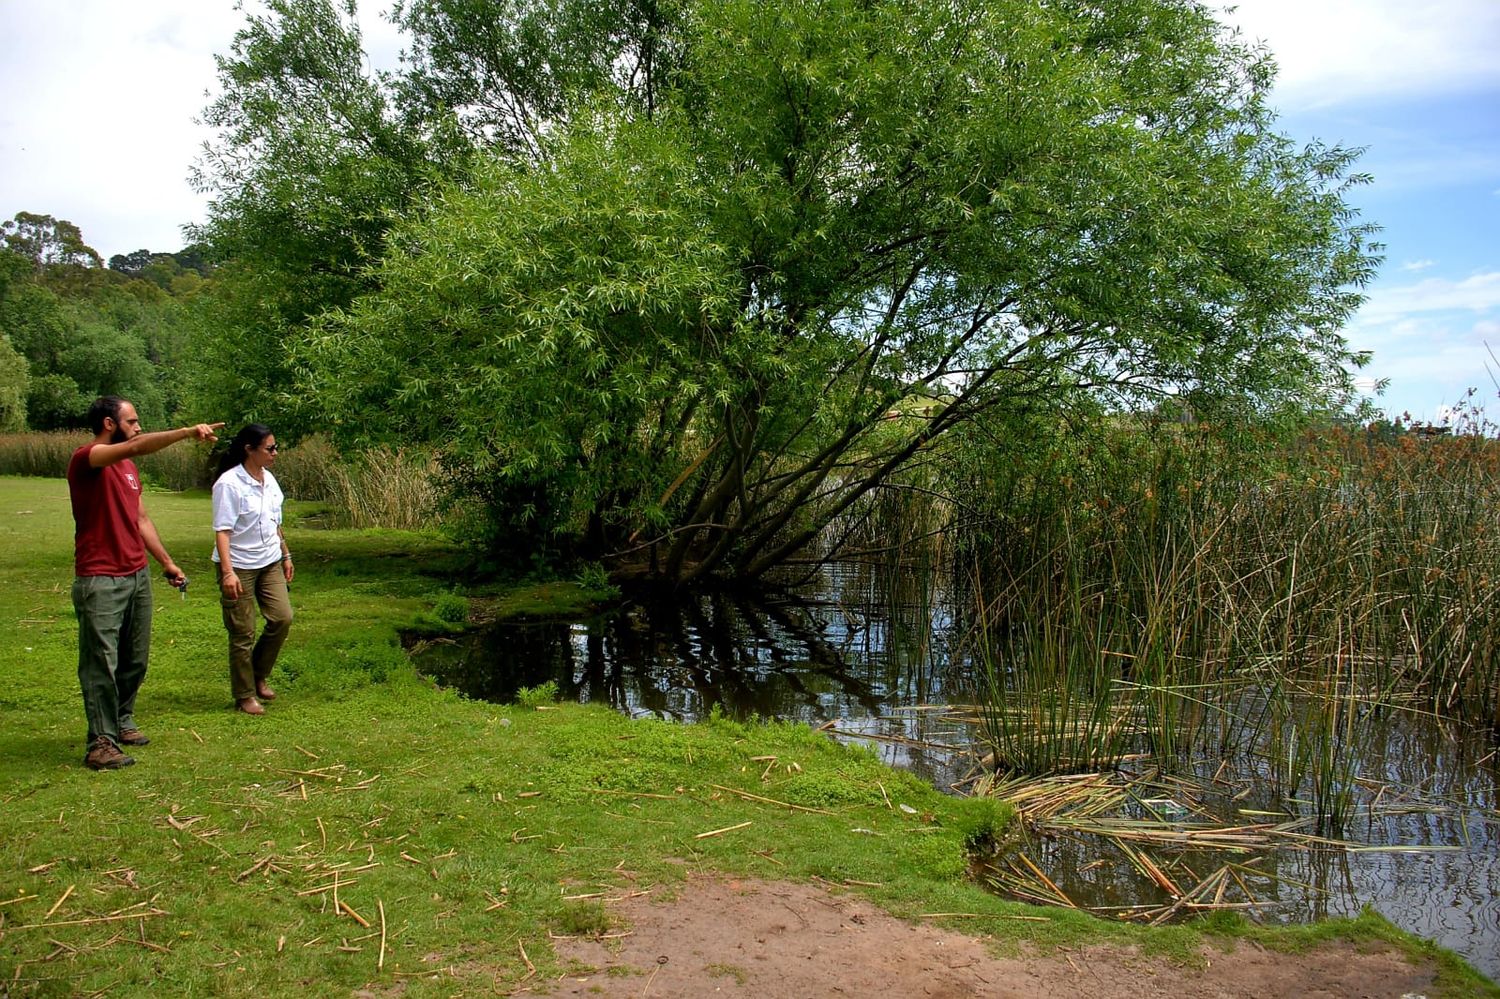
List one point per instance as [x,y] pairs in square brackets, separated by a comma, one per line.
[374,832]
[259,856]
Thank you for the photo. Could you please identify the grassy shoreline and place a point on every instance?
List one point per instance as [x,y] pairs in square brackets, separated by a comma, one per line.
[467,831]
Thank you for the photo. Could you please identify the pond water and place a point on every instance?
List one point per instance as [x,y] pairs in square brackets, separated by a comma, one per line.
[1422,847]
[876,655]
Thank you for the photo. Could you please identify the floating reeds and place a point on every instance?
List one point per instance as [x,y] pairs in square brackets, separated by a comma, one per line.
[1155,822]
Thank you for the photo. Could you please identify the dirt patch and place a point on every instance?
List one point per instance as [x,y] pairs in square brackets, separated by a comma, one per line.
[776,940]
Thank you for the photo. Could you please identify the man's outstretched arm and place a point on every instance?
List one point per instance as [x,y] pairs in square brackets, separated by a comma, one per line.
[107,454]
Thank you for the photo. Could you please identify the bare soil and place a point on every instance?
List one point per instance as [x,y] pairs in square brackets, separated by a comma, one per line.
[776,940]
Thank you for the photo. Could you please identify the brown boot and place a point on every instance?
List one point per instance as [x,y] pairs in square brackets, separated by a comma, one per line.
[250,706]
[264,693]
[105,755]
[133,737]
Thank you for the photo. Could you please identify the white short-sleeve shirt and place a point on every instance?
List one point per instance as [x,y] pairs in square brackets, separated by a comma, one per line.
[251,512]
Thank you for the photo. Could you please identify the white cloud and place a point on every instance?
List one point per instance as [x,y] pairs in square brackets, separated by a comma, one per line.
[1423,376]
[1417,265]
[97,106]
[1434,339]
[116,117]
[1478,293]
[1331,51]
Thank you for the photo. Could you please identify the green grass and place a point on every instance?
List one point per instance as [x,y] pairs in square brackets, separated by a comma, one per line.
[474,827]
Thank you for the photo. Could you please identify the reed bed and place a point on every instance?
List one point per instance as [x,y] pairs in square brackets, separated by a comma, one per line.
[40,454]
[1174,595]
[385,487]
[379,487]
[45,454]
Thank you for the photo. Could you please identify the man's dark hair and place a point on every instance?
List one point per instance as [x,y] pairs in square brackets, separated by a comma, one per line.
[106,407]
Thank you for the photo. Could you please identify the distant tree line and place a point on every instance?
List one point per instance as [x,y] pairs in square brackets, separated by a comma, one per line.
[72,329]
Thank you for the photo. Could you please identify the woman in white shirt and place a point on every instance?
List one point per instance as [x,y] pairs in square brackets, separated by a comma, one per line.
[253,563]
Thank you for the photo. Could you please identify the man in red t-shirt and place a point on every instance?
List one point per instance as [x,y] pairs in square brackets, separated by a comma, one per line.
[111,584]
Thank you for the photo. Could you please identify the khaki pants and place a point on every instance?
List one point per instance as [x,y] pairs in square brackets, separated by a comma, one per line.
[114,639]
[250,659]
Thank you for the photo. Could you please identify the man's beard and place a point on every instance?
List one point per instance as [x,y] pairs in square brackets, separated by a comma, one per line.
[119,436]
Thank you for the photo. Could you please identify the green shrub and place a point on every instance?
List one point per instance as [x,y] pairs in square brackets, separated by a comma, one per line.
[452,608]
[538,696]
[584,919]
[982,821]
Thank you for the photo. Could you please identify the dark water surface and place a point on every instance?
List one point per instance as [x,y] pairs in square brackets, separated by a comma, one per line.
[873,652]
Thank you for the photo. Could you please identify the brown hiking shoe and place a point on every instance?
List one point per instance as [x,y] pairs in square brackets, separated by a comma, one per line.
[105,755]
[133,737]
[250,706]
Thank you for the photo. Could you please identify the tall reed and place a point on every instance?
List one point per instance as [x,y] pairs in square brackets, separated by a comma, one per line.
[38,453]
[46,454]
[306,470]
[386,487]
[1169,593]
[379,487]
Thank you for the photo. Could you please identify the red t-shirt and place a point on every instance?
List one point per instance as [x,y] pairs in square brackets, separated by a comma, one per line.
[106,517]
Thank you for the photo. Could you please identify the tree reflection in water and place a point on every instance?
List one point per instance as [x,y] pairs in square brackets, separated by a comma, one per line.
[856,647]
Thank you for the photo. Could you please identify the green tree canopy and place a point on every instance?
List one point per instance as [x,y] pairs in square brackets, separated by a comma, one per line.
[44,240]
[79,331]
[508,72]
[132,263]
[310,167]
[695,330]
[15,382]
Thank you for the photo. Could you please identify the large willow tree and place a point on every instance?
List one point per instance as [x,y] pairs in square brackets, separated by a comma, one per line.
[719,269]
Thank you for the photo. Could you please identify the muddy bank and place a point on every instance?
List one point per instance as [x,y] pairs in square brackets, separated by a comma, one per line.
[777,940]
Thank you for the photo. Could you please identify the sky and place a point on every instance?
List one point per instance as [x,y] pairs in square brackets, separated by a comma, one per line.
[98,101]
